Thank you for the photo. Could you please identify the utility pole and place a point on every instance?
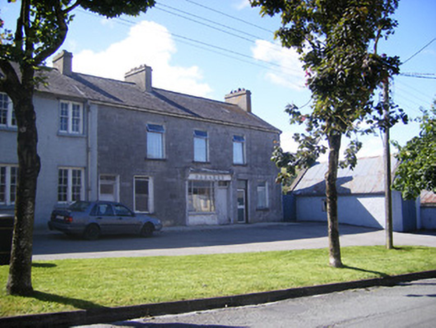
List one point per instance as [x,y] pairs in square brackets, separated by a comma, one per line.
[387,168]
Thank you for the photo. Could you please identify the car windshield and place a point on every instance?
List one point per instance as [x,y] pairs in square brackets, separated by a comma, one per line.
[79,206]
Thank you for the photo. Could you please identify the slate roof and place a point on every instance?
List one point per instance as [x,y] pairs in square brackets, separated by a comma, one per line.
[366,178]
[127,94]
[428,198]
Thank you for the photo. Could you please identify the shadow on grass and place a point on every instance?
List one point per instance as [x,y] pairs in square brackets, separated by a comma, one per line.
[43,265]
[52,298]
[381,274]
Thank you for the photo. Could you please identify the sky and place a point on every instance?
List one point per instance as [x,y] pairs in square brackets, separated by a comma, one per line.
[208,48]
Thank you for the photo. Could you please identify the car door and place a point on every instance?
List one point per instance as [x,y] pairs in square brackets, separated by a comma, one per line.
[105,217]
[127,221]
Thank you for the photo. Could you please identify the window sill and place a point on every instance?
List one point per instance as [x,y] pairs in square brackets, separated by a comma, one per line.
[71,135]
[198,162]
[262,209]
[8,128]
[155,159]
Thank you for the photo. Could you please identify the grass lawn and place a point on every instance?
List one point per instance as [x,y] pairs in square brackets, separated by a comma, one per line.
[65,285]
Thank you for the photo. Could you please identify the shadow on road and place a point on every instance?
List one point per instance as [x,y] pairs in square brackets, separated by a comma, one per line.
[172,238]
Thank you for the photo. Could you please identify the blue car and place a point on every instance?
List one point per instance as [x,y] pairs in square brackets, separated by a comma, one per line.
[92,219]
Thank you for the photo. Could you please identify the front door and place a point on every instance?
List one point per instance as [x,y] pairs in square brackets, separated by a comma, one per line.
[221,203]
[242,207]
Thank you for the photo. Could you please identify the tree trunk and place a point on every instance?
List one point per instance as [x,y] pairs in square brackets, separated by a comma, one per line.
[20,279]
[332,200]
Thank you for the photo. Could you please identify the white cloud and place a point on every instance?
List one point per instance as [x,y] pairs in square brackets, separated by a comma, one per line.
[287,71]
[241,4]
[147,43]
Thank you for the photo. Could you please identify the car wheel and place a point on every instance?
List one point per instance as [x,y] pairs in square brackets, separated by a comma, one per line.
[147,230]
[92,232]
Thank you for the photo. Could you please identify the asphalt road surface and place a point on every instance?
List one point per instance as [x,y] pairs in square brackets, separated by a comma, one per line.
[411,304]
[51,245]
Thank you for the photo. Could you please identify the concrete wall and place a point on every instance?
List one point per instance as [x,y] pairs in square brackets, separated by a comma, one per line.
[55,151]
[428,217]
[122,151]
[359,210]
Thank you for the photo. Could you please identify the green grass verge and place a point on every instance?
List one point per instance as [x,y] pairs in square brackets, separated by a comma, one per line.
[65,285]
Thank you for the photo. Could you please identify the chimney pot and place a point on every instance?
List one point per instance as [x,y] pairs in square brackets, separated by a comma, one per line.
[241,98]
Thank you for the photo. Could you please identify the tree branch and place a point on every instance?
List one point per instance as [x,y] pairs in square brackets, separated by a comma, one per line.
[60,37]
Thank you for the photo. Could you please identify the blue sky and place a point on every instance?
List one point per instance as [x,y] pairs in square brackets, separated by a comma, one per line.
[233,47]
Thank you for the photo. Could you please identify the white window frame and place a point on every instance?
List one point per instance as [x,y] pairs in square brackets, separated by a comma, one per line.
[150,204]
[239,157]
[69,192]
[116,184]
[201,146]
[262,194]
[8,184]
[7,107]
[155,135]
[68,111]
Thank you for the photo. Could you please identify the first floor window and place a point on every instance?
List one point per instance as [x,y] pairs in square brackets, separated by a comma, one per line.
[70,185]
[238,150]
[7,114]
[201,196]
[71,118]
[143,194]
[8,184]
[262,194]
[155,141]
[200,146]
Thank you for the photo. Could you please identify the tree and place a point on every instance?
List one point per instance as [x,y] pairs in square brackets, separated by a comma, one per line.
[417,168]
[333,39]
[41,28]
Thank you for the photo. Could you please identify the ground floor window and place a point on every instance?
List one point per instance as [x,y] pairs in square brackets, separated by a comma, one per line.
[109,186]
[201,196]
[262,194]
[70,185]
[143,191]
[8,184]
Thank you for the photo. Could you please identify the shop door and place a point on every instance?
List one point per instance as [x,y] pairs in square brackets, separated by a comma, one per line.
[221,203]
[242,206]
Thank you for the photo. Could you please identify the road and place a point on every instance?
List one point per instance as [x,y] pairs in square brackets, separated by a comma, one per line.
[219,239]
[411,304]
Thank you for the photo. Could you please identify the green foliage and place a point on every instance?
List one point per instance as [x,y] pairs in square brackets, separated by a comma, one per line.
[417,168]
[40,29]
[42,26]
[333,39]
[67,285]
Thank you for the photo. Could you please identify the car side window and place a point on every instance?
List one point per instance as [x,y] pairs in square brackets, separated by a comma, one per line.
[122,211]
[103,210]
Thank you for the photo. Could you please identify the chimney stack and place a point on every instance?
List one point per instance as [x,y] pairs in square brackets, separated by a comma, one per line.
[141,76]
[63,62]
[240,97]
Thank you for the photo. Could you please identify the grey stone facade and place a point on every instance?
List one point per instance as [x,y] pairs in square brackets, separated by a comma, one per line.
[123,120]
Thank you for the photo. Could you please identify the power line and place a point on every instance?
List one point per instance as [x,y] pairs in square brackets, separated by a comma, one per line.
[416,53]
[420,75]
[204,19]
[230,16]
[215,49]
[275,47]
